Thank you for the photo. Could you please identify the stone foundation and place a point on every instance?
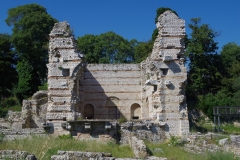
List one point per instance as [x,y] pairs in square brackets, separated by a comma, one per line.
[144,130]
[10,134]
[15,154]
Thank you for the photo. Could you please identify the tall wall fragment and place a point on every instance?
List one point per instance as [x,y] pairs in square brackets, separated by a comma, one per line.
[165,76]
[65,66]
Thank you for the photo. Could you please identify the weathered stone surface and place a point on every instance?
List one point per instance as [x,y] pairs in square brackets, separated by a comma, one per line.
[223,141]
[15,154]
[39,95]
[65,66]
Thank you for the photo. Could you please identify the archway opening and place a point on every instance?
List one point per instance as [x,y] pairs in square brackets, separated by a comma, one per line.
[89,111]
[135,111]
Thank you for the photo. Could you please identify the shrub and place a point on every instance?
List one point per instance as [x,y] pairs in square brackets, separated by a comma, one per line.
[122,120]
[65,136]
[8,102]
[44,87]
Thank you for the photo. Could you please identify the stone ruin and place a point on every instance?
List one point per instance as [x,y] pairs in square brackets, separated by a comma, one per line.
[86,100]
[152,90]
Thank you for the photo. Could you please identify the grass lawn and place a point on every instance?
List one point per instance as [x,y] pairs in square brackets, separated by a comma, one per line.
[44,147]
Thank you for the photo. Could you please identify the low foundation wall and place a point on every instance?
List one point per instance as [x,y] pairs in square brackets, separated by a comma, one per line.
[144,130]
[10,134]
[15,154]
[74,155]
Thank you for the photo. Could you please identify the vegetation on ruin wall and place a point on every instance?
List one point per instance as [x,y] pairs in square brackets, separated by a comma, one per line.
[44,147]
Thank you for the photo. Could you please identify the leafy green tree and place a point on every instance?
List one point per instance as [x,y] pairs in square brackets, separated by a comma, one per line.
[236,88]
[208,101]
[88,45]
[204,64]
[8,72]
[26,82]
[31,25]
[106,48]
[230,56]
[142,50]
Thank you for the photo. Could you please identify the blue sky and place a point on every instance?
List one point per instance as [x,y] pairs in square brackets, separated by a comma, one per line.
[135,18]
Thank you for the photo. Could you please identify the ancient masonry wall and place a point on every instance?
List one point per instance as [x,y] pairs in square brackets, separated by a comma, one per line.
[112,91]
[12,134]
[164,70]
[65,65]
[15,154]
[152,90]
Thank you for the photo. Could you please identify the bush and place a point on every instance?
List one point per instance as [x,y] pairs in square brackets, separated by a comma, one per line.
[122,120]
[208,101]
[44,87]
[65,136]
[1,137]
[3,113]
[8,102]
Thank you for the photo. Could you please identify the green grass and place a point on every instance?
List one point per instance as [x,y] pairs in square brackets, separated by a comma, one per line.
[205,126]
[178,153]
[44,147]
[171,152]
[229,128]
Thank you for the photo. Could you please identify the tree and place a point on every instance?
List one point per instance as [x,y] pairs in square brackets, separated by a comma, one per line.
[8,72]
[106,48]
[142,50]
[26,82]
[230,56]
[88,45]
[31,25]
[204,64]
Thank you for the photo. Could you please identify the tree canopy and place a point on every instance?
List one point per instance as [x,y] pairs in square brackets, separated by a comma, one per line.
[8,73]
[204,63]
[31,25]
[108,47]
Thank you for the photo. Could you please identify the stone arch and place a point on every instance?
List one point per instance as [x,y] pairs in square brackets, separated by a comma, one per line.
[111,106]
[78,70]
[89,111]
[135,111]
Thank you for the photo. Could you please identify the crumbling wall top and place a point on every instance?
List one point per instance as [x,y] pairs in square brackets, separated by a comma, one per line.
[61,29]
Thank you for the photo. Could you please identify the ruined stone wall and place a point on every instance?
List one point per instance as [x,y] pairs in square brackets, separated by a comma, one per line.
[12,134]
[65,66]
[15,154]
[153,89]
[144,130]
[112,90]
[165,72]
[73,155]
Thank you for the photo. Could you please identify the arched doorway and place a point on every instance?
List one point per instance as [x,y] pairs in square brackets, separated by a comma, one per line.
[89,111]
[135,111]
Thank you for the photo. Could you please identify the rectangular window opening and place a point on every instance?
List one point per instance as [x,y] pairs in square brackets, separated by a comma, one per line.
[65,72]
[164,72]
[135,117]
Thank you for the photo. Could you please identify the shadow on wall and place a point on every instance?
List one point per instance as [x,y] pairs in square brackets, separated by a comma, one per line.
[99,103]
[95,104]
